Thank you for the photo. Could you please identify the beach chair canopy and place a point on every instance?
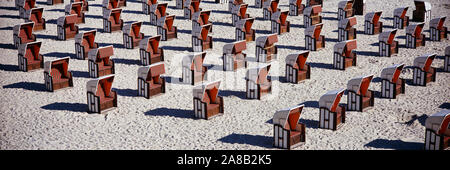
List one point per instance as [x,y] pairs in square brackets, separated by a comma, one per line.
[195,4]
[202,17]
[345,4]
[194,61]
[422,5]
[271,4]
[159,8]
[347,23]
[424,62]
[166,21]
[87,37]
[259,74]
[373,17]
[437,23]
[202,32]
[400,12]
[345,47]
[100,53]
[415,29]
[66,20]
[152,71]
[74,8]
[388,36]
[235,47]
[266,41]
[150,2]
[133,28]
[245,24]
[63,63]
[104,82]
[150,44]
[114,3]
[288,118]
[312,10]
[34,14]
[296,2]
[280,16]
[30,49]
[439,122]
[24,29]
[297,60]
[360,85]
[314,31]
[240,10]
[115,13]
[207,92]
[27,4]
[331,99]
[392,73]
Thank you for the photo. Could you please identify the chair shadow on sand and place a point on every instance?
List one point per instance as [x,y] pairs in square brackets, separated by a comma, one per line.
[40,87]
[226,93]
[171,112]
[255,140]
[7,67]
[394,144]
[73,107]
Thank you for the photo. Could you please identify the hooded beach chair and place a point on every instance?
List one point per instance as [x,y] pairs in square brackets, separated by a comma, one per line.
[414,36]
[233,56]
[331,114]
[279,23]
[423,71]
[110,4]
[150,51]
[372,24]
[447,59]
[270,7]
[437,29]
[345,9]
[146,4]
[314,2]
[35,15]
[257,82]
[132,35]
[344,54]
[296,67]
[54,2]
[359,7]
[296,7]
[311,15]
[201,18]
[84,42]
[260,3]
[387,45]
[191,7]
[207,102]
[359,96]
[244,30]
[266,50]
[437,131]
[85,4]
[422,12]
[391,83]
[66,27]
[111,20]
[165,27]
[400,19]
[288,133]
[77,9]
[56,74]
[233,3]
[156,12]
[122,3]
[100,63]
[346,30]
[23,33]
[100,96]
[239,12]
[313,40]
[150,82]
[25,5]
[193,70]
[29,57]
[179,4]
[200,39]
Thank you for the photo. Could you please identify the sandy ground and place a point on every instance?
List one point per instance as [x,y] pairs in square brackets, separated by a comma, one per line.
[31,118]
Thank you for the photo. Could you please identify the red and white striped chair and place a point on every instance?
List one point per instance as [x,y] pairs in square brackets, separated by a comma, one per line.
[344,54]
[296,67]
[157,11]
[100,96]
[437,30]
[132,35]
[66,27]
[200,39]
[100,63]
[437,133]
[244,30]
[77,9]
[359,7]
[25,5]
[201,18]
[270,7]
[54,2]
[422,12]
[150,82]
[84,42]
[359,97]
[391,83]
[207,102]
[29,57]
[110,4]
[311,15]
[296,7]
[387,45]
[150,51]
[85,4]
[414,36]
[193,70]
[345,9]
[346,30]
[372,24]
[331,114]
[423,71]
[35,15]
[112,21]
[400,19]
[165,28]
[313,40]
[191,7]
[56,74]
[447,59]
[233,56]
[23,33]
[146,4]
[288,133]
[266,50]
[239,12]
[257,82]
[279,23]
